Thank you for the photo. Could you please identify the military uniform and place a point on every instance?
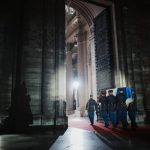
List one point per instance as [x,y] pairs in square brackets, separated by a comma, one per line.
[112,104]
[132,114]
[122,109]
[91,107]
[98,111]
[104,109]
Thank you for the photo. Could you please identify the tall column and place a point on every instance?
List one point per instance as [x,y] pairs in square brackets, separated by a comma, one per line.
[89,67]
[81,88]
[43,59]
[133,46]
[85,53]
[69,87]
[117,72]
[93,65]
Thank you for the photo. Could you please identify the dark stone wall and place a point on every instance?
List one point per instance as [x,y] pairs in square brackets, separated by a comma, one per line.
[32,50]
[104,51]
[7,53]
[31,68]
[133,26]
[143,53]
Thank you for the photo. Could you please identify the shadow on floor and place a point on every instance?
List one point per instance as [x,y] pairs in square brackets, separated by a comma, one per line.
[35,138]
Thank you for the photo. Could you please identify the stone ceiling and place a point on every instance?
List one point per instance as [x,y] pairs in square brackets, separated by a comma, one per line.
[87,9]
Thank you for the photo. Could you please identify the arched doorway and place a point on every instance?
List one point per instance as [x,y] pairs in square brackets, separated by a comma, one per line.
[88,35]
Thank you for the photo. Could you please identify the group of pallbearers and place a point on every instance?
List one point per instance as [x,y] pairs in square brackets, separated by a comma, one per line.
[116,108]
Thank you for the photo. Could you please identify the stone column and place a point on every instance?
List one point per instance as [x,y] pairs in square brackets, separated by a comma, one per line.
[89,69]
[117,73]
[43,60]
[93,64]
[85,53]
[81,75]
[132,47]
[69,80]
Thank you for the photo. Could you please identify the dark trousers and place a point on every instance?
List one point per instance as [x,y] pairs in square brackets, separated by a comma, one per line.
[91,117]
[123,118]
[132,117]
[98,115]
[112,116]
[105,118]
[117,117]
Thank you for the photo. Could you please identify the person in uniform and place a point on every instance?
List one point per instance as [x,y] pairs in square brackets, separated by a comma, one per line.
[132,109]
[112,107]
[91,107]
[122,108]
[104,108]
[98,110]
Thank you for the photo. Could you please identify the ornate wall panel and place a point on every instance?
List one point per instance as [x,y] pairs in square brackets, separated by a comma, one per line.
[103,43]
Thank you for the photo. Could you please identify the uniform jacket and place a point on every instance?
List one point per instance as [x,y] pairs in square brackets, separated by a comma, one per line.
[121,105]
[104,103]
[132,107]
[112,103]
[91,105]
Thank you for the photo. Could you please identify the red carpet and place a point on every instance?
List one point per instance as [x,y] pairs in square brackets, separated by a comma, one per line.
[81,123]
[141,133]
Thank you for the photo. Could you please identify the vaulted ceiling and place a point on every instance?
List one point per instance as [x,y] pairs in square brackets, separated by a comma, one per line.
[87,11]
[89,8]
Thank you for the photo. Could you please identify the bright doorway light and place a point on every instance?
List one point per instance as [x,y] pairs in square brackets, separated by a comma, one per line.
[76,84]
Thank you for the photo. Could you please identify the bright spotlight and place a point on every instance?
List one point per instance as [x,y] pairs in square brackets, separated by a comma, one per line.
[75,84]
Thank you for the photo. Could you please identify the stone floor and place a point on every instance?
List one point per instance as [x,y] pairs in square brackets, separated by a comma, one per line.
[37,140]
[79,139]
[80,135]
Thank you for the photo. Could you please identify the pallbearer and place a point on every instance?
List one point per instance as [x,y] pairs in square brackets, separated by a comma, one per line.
[112,105]
[122,108]
[104,108]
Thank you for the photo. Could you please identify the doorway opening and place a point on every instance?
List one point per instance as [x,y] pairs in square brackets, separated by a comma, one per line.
[88,54]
